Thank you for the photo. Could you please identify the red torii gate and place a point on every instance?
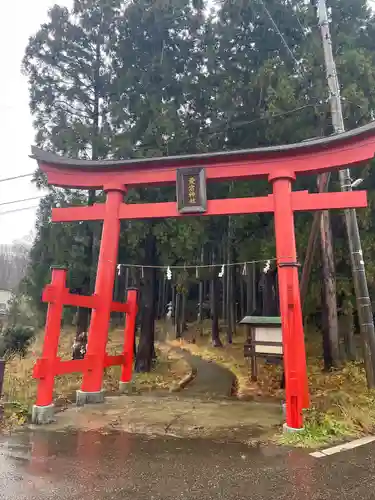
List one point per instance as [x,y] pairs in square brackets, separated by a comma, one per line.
[279,165]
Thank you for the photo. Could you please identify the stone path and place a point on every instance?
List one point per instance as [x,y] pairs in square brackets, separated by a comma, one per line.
[211,381]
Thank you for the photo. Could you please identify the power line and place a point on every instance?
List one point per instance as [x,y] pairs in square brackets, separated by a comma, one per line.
[296,14]
[17,210]
[16,177]
[20,201]
[276,115]
[237,125]
[226,127]
[279,33]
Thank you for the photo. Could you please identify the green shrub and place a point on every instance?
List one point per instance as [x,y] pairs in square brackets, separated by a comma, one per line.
[16,339]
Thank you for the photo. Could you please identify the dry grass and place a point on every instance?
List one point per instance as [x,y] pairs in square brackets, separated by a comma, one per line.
[20,388]
[341,404]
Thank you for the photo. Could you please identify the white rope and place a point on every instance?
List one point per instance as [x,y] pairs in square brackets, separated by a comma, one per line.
[199,266]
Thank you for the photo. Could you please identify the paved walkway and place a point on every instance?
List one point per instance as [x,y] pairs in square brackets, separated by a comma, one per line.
[174,415]
[90,465]
[211,381]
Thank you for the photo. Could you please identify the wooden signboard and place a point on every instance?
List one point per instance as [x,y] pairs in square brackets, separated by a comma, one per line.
[264,340]
[191,190]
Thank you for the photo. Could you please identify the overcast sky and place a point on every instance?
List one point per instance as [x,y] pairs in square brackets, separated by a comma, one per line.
[17,22]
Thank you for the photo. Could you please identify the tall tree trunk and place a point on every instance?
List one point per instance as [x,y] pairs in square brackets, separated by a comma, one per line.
[134,281]
[126,282]
[235,297]
[269,297]
[201,297]
[226,280]
[216,342]
[119,293]
[206,287]
[146,349]
[178,315]
[200,308]
[162,309]
[231,304]
[277,293]
[327,356]
[183,309]
[329,283]
[160,306]
[229,281]
[174,295]
[250,289]
[224,305]
[346,326]
[242,296]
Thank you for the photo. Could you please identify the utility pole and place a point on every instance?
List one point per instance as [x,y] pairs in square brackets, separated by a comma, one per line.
[364,308]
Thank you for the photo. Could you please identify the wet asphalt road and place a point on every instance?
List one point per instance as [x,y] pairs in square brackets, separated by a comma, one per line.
[118,466]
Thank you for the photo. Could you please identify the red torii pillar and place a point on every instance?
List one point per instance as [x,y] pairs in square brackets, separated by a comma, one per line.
[98,331]
[296,388]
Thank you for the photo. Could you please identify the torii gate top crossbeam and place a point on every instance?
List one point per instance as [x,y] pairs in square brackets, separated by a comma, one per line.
[308,157]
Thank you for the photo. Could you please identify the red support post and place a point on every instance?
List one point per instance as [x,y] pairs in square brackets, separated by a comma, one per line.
[98,331]
[129,337]
[296,385]
[44,368]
